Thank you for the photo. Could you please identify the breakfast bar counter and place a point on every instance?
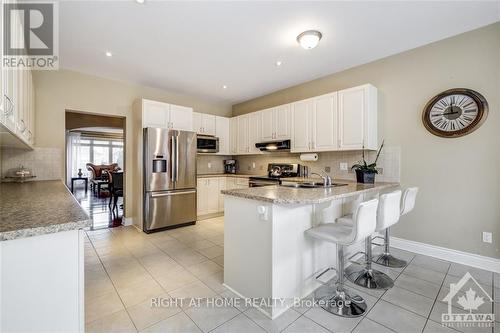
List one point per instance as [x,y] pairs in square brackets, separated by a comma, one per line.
[288,195]
[266,252]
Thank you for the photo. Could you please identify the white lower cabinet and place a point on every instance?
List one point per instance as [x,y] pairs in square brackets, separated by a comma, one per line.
[209,198]
[222,187]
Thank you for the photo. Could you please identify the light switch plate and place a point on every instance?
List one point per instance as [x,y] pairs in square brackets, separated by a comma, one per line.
[209,165]
[253,165]
[487,237]
[343,166]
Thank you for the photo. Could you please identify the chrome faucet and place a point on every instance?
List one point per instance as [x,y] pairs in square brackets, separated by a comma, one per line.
[327,180]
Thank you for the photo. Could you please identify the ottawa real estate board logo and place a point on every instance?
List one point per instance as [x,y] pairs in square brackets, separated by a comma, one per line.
[469,305]
[30,35]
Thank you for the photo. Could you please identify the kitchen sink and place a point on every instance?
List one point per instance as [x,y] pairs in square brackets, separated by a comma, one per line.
[310,185]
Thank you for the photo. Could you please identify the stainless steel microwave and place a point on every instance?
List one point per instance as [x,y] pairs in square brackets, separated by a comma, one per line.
[207,144]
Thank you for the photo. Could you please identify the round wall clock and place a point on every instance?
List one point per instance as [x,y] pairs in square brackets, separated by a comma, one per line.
[455,112]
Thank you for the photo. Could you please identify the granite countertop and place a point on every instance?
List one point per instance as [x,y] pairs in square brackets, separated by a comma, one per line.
[37,208]
[236,175]
[288,195]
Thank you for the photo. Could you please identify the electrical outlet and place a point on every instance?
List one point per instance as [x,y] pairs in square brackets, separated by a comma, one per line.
[487,237]
[209,165]
[328,169]
[253,165]
[343,166]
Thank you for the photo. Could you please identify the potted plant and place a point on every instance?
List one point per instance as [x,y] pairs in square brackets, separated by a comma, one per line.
[365,173]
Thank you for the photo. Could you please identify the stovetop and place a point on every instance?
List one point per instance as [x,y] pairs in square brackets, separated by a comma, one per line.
[277,171]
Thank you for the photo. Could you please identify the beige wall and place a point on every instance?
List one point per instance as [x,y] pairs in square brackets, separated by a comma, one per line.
[458,178]
[57,91]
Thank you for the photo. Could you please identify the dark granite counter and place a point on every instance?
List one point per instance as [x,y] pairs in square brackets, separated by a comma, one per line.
[37,208]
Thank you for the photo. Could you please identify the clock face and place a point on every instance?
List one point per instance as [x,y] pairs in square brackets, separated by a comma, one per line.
[455,112]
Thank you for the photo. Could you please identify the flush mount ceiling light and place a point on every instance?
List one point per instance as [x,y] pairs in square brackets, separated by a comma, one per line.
[224,87]
[309,39]
[139,1]
[109,54]
[278,63]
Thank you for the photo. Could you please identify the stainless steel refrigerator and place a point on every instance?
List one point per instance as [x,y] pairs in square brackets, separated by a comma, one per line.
[169,179]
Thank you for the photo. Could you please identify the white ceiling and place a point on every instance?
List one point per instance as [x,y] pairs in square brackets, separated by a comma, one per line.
[196,47]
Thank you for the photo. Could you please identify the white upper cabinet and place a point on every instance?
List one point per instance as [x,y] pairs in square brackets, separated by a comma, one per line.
[357,109]
[254,131]
[204,123]
[268,124]
[276,123]
[208,122]
[164,115]
[302,113]
[233,135]
[17,93]
[155,114]
[181,117]
[222,132]
[324,123]
[242,135]
[282,122]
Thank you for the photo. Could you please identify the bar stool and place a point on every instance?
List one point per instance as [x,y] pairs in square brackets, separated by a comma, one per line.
[407,205]
[363,223]
[387,215]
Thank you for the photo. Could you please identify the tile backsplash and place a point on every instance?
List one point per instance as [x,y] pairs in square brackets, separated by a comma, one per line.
[216,164]
[388,163]
[46,163]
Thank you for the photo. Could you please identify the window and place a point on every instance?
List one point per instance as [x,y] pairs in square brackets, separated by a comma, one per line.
[96,151]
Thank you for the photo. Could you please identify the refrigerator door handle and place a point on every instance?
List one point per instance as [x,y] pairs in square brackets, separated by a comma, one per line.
[158,195]
[176,158]
[172,159]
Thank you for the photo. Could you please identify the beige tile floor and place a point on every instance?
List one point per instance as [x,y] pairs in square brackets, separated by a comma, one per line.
[126,268]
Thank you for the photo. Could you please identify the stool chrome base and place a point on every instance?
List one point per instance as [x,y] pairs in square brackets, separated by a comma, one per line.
[342,303]
[369,278]
[388,260]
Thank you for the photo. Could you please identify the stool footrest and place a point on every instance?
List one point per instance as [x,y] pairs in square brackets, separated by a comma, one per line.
[355,254]
[317,278]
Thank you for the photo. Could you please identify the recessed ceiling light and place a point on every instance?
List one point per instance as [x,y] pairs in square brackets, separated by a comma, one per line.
[109,54]
[140,1]
[278,63]
[224,87]
[309,39]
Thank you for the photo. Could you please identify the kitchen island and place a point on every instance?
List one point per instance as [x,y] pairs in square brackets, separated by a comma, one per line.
[41,258]
[266,253]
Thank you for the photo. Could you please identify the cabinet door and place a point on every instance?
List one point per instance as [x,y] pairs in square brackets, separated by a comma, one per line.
[181,117]
[201,195]
[254,127]
[351,108]
[324,126]
[155,114]
[222,186]
[242,134]
[301,125]
[212,195]
[197,127]
[208,124]
[268,122]
[233,135]
[282,122]
[222,132]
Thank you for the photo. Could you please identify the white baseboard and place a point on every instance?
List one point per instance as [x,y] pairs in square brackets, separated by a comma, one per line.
[460,257]
[126,221]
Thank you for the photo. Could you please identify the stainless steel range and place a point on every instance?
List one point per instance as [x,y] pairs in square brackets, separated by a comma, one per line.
[275,173]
